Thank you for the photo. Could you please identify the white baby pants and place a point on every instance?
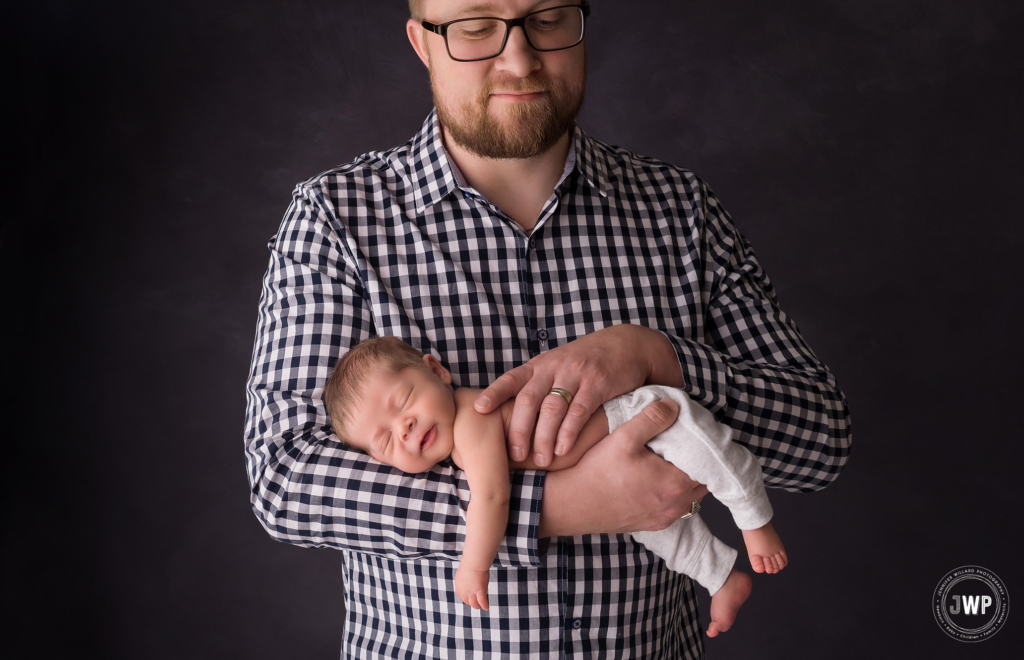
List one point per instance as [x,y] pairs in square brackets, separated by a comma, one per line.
[703,448]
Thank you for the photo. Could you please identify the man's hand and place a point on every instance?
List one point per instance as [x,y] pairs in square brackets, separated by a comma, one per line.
[594,369]
[620,486]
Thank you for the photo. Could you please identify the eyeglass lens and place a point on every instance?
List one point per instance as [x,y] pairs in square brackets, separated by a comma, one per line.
[481,38]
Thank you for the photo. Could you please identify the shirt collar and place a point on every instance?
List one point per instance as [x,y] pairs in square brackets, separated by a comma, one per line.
[434,175]
[425,165]
[590,161]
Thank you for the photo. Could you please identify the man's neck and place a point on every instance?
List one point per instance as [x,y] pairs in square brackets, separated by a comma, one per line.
[517,186]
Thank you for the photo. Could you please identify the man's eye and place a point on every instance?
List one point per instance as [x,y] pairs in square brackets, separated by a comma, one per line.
[473,30]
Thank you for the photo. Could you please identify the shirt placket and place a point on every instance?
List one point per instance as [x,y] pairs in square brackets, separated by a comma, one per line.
[535,253]
[529,256]
[535,286]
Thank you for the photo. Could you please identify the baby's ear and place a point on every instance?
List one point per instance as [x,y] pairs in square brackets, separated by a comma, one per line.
[437,369]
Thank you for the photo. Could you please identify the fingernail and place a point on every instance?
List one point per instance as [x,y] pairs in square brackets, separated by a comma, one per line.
[540,459]
[483,402]
[517,454]
[560,449]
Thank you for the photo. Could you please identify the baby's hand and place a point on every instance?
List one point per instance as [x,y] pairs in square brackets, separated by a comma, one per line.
[471,587]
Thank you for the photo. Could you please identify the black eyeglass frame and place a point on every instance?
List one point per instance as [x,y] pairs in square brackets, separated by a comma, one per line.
[442,29]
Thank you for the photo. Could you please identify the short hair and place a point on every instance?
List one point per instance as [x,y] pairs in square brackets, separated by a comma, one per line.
[416,10]
[345,384]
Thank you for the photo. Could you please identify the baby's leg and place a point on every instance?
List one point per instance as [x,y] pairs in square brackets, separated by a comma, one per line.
[702,447]
[689,547]
[765,549]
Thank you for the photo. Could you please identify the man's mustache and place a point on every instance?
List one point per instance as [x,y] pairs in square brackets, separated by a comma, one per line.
[527,85]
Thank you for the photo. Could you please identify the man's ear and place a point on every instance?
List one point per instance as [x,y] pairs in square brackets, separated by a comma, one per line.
[418,39]
[438,369]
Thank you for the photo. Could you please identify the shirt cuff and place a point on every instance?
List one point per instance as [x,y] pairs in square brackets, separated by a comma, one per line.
[520,547]
[705,374]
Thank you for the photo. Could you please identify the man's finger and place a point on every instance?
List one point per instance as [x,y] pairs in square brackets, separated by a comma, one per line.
[524,416]
[503,388]
[553,410]
[655,418]
[583,406]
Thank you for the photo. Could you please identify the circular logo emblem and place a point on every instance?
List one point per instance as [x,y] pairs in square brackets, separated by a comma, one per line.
[970,604]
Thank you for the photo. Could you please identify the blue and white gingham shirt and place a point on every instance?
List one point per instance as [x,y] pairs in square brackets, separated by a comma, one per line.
[395,243]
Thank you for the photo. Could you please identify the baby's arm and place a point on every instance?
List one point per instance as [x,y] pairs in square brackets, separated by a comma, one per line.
[593,431]
[480,452]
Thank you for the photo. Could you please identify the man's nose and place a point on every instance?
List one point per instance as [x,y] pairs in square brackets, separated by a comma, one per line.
[518,58]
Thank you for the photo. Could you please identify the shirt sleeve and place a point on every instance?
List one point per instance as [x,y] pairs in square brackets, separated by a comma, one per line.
[756,372]
[307,488]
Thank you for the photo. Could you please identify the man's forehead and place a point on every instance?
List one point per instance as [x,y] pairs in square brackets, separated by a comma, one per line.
[455,8]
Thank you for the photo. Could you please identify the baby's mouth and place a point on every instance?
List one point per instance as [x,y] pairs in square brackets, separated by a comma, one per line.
[428,439]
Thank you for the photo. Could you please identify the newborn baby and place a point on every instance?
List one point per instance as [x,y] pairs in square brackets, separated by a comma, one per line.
[398,405]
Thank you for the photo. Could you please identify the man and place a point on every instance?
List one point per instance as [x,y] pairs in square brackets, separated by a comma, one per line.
[529,257]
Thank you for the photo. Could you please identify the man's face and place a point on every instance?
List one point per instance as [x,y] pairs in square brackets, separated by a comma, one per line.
[406,419]
[516,105]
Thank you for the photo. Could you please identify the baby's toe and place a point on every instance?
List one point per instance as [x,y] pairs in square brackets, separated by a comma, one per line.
[757,563]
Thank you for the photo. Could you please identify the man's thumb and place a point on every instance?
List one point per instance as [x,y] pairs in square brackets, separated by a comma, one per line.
[655,418]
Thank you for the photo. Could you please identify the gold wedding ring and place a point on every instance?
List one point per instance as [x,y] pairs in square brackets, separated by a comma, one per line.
[562,393]
[694,508]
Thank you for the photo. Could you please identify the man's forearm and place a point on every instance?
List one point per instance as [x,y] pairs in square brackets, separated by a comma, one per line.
[793,417]
[307,488]
[559,513]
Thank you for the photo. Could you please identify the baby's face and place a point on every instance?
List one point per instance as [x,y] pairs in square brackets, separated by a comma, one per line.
[406,419]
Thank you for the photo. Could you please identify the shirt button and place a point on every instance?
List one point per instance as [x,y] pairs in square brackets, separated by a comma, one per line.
[577,624]
[533,245]
[542,334]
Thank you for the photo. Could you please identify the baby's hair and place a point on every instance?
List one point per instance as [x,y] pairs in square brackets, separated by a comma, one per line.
[344,386]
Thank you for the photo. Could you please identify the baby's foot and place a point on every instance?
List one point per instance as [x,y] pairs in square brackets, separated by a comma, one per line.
[727,601]
[767,554]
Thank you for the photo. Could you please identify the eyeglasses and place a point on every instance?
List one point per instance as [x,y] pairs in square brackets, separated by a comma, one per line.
[484,37]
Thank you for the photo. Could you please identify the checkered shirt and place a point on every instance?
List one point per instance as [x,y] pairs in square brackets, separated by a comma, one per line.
[395,243]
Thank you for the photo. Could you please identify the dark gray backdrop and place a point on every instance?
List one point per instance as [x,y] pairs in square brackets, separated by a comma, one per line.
[870,149]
